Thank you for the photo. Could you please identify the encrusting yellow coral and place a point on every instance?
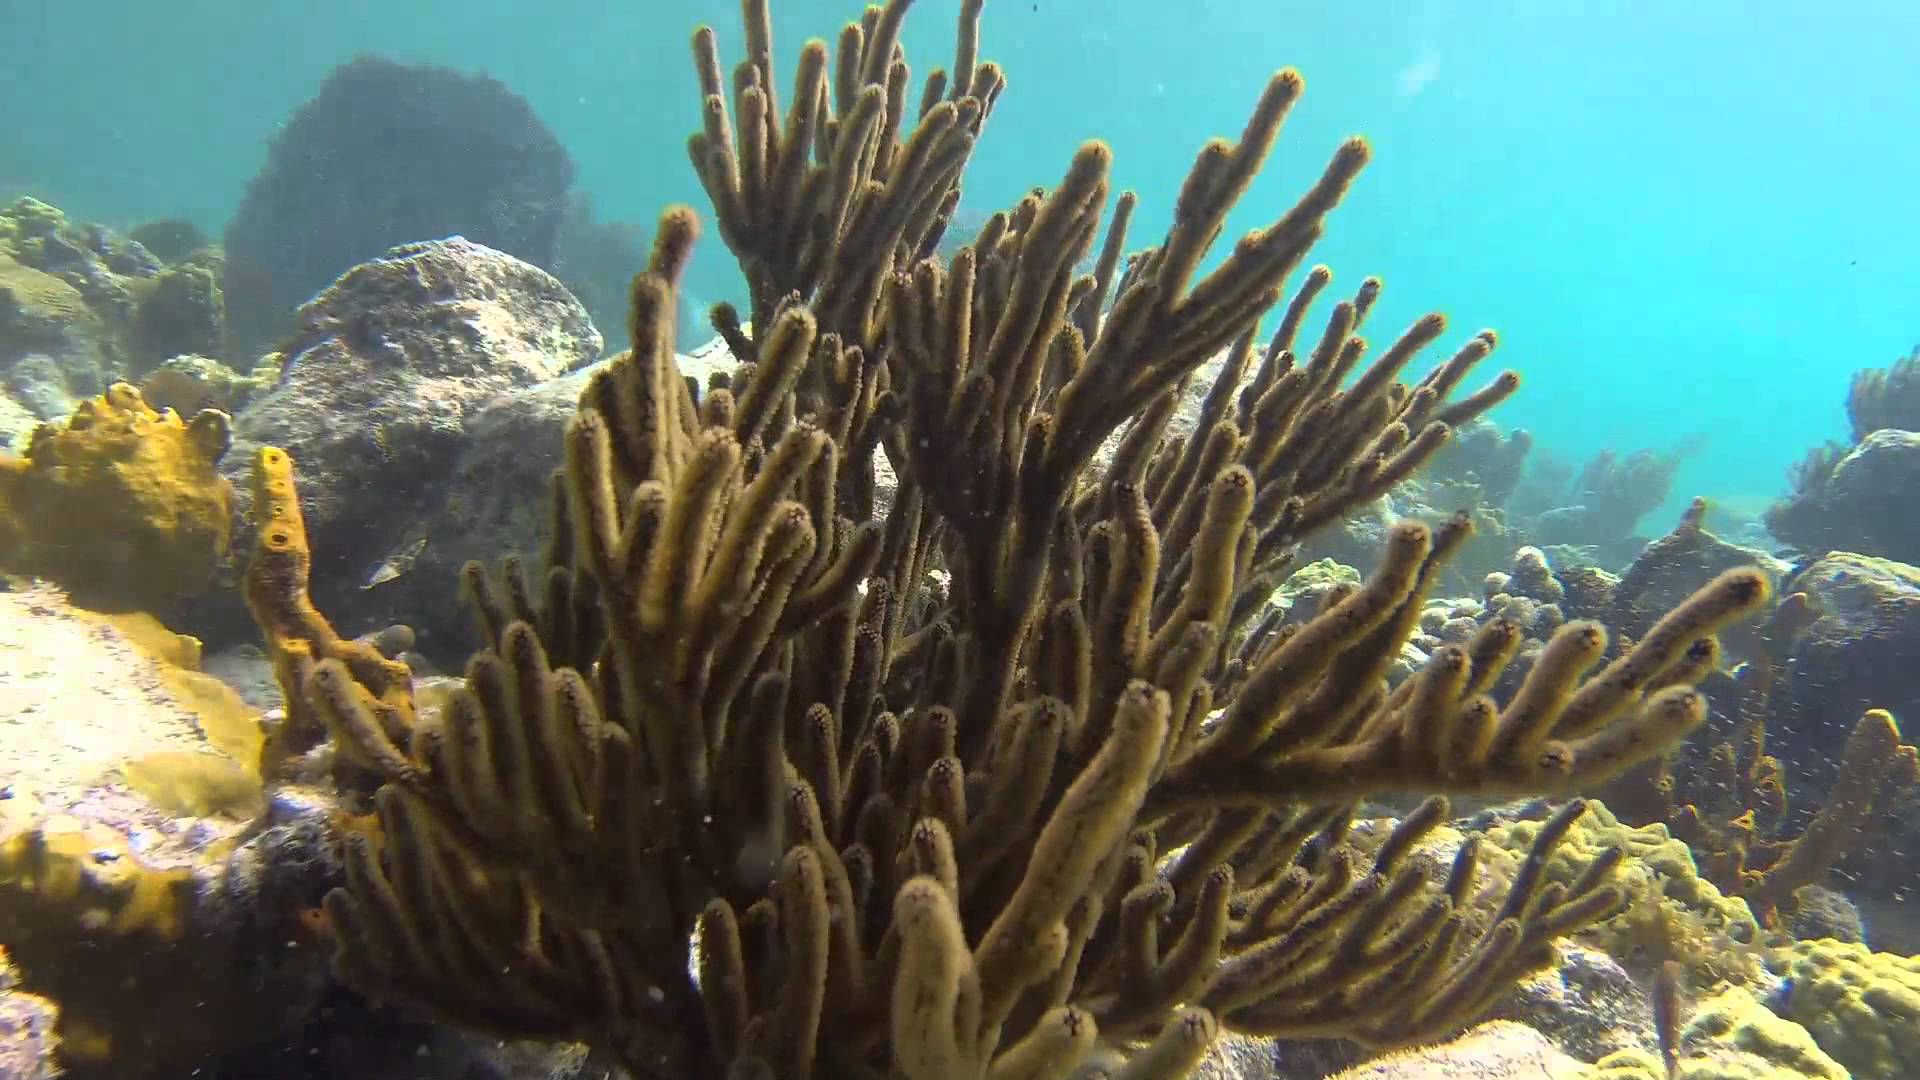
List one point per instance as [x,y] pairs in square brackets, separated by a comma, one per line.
[756,783]
[122,506]
[1863,1007]
[1731,1036]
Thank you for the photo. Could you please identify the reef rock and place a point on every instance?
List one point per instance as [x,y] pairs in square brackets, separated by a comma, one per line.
[496,500]
[1856,654]
[382,382]
[29,1039]
[1868,503]
[134,895]
[1492,1051]
[1668,570]
[1588,1005]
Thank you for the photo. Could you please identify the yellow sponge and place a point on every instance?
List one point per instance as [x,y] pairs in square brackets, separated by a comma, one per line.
[122,506]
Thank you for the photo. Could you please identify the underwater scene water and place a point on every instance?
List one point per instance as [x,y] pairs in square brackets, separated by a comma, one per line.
[959,540]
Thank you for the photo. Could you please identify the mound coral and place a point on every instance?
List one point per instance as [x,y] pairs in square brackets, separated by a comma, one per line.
[123,506]
[1731,1036]
[1862,1007]
[1672,912]
[1010,781]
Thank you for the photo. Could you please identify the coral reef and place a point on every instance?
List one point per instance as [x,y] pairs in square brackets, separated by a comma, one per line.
[1671,912]
[1597,513]
[82,308]
[386,154]
[943,792]
[1731,815]
[122,505]
[1481,467]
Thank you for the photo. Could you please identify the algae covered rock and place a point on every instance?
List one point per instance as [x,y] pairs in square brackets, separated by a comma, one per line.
[381,383]
[146,889]
[123,505]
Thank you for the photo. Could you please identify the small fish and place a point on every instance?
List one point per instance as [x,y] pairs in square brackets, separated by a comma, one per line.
[1666,1015]
[396,564]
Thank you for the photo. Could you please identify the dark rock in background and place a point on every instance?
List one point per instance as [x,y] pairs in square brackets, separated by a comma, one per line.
[183,312]
[386,154]
[1857,654]
[1863,502]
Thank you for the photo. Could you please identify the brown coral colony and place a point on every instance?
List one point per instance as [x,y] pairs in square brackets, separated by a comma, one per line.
[1013,777]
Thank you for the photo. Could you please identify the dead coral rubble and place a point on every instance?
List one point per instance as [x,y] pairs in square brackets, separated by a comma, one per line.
[1008,782]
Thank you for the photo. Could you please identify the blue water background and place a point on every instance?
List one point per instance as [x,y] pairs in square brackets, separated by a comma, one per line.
[1687,220]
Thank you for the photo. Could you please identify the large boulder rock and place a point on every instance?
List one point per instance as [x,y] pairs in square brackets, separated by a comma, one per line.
[1857,653]
[383,381]
[1870,499]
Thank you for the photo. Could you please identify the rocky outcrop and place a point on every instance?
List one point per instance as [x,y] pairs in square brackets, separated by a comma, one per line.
[148,892]
[383,387]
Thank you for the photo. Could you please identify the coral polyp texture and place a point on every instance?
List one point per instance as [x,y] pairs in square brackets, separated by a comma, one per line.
[1016,778]
[122,505]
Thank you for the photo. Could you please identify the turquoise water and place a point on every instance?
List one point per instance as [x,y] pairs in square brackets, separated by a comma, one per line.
[1687,223]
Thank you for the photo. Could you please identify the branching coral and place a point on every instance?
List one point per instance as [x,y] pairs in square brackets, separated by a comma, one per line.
[755,783]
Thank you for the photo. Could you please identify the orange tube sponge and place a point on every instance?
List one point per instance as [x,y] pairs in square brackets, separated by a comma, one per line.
[298,636]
